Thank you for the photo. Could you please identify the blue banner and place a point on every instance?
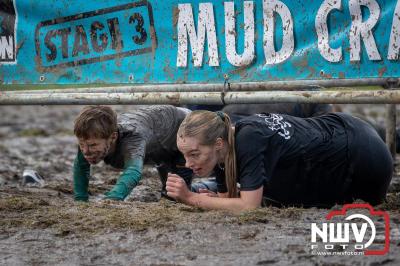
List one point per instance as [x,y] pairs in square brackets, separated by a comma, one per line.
[119,41]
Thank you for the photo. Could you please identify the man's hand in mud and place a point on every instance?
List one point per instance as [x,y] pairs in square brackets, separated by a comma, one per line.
[105,199]
[207,192]
[109,201]
[118,192]
[177,188]
[112,196]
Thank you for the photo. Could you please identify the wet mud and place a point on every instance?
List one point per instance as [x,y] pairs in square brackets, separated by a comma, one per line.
[44,226]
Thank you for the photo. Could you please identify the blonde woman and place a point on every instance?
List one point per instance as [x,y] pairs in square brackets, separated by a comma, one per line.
[282,160]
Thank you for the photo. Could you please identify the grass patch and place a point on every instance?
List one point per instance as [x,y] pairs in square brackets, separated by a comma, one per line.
[33,132]
[67,217]
[392,202]
[20,204]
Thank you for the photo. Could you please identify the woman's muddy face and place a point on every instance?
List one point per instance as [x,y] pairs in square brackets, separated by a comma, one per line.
[95,149]
[200,158]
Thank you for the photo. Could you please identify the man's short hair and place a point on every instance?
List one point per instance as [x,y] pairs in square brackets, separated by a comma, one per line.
[95,122]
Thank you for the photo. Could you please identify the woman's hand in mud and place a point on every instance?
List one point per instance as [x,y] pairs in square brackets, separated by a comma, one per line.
[207,192]
[177,188]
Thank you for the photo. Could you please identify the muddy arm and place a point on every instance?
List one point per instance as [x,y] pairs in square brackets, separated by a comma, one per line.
[178,190]
[127,180]
[134,154]
[81,173]
[248,200]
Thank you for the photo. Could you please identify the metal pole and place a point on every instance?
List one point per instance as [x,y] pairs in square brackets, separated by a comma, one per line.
[296,85]
[380,96]
[391,120]
[184,89]
[391,128]
[211,98]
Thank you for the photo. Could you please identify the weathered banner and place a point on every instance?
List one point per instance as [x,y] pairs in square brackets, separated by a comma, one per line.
[189,41]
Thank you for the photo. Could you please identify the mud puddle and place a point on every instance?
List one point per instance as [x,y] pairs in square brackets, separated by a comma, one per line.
[44,226]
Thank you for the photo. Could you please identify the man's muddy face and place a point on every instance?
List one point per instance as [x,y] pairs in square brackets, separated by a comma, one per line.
[94,149]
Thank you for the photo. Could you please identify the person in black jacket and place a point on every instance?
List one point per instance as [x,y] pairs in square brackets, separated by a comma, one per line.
[283,160]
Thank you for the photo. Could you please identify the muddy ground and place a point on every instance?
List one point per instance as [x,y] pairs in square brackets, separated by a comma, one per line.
[44,226]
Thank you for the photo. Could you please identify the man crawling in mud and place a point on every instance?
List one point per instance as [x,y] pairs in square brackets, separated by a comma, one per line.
[124,143]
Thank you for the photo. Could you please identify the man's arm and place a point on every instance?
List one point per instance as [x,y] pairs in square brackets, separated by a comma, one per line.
[133,150]
[81,173]
[129,179]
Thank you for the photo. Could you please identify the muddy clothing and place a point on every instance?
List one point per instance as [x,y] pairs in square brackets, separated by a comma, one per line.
[311,162]
[148,133]
[239,111]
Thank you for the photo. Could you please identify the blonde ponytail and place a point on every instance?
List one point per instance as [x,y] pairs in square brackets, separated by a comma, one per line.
[230,160]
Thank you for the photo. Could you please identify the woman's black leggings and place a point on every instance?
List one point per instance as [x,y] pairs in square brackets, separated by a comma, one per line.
[371,165]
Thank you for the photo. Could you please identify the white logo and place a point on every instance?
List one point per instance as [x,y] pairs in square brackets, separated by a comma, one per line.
[340,233]
[275,122]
